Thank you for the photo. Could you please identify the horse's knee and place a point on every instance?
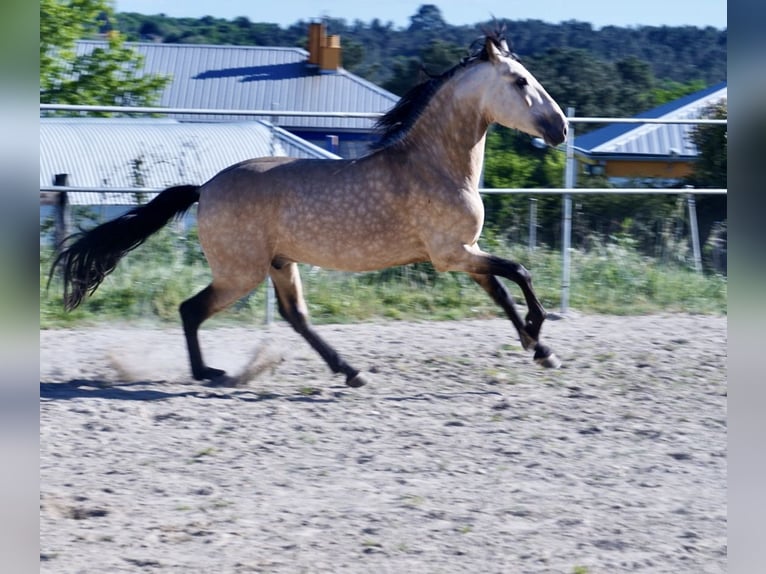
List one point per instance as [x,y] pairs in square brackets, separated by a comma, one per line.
[517,272]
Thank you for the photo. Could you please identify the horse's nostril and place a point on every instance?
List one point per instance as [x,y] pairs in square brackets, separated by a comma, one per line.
[554,130]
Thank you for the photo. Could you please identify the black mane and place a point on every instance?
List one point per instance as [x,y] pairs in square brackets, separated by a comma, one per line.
[395,124]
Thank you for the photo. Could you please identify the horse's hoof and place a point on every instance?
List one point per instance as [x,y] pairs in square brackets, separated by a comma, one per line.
[550,362]
[355,381]
[209,374]
[225,381]
[546,358]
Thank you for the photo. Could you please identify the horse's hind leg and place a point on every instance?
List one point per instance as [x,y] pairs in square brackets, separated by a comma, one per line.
[292,306]
[195,310]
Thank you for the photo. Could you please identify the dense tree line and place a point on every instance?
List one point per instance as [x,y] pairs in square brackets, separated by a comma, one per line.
[383,53]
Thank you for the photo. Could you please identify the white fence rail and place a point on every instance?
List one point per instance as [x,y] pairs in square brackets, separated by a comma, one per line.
[569,174]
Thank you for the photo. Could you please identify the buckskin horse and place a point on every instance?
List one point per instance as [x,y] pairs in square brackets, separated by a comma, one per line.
[414,197]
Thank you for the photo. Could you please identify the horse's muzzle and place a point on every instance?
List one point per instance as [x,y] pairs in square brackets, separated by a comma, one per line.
[553,130]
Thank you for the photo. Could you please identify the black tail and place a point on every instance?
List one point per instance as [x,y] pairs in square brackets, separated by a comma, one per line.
[91,255]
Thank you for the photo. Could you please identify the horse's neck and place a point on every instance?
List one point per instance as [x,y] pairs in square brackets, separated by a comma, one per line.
[451,134]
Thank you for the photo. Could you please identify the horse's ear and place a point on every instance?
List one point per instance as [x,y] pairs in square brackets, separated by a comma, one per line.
[492,50]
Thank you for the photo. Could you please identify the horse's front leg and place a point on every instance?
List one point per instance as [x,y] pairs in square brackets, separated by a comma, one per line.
[517,273]
[485,269]
[500,295]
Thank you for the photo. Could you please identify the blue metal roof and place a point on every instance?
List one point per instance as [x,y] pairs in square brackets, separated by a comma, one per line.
[258,78]
[153,153]
[653,139]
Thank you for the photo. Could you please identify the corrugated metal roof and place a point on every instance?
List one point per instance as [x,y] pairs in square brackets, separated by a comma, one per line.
[153,153]
[654,139]
[258,78]
[298,147]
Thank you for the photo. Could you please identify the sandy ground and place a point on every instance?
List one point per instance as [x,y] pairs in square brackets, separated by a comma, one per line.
[461,455]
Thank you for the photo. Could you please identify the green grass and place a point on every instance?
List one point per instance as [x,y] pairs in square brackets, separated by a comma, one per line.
[613,278]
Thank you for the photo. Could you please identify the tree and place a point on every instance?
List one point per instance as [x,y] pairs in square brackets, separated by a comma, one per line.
[428,19]
[669,90]
[151,29]
[575,77]
[436,57]
[405,73]
[710,169]
[440,56]
[108,75]
[511,160]
[353,54]
[636,85]
[711,142]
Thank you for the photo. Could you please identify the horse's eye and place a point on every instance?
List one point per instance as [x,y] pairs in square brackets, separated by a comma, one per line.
[521,81]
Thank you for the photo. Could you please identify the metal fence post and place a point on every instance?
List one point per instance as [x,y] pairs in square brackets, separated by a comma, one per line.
[270,301]
[532,223]
[566,227]
[690,202]
[63,216]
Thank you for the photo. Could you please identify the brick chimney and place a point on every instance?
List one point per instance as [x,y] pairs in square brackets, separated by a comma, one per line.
[324,51]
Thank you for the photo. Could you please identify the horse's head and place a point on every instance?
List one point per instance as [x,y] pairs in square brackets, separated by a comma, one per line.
[515,99]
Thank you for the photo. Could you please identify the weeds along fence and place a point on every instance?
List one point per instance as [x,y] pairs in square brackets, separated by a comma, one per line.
[56,194]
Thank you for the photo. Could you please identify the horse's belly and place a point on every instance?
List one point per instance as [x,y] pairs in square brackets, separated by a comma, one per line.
[355,250]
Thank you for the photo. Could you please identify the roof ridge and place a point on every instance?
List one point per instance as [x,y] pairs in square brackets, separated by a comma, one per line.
[176,45]
[680,107]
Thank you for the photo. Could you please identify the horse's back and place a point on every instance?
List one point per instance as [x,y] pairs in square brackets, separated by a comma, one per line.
[255,165]
[238,185]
